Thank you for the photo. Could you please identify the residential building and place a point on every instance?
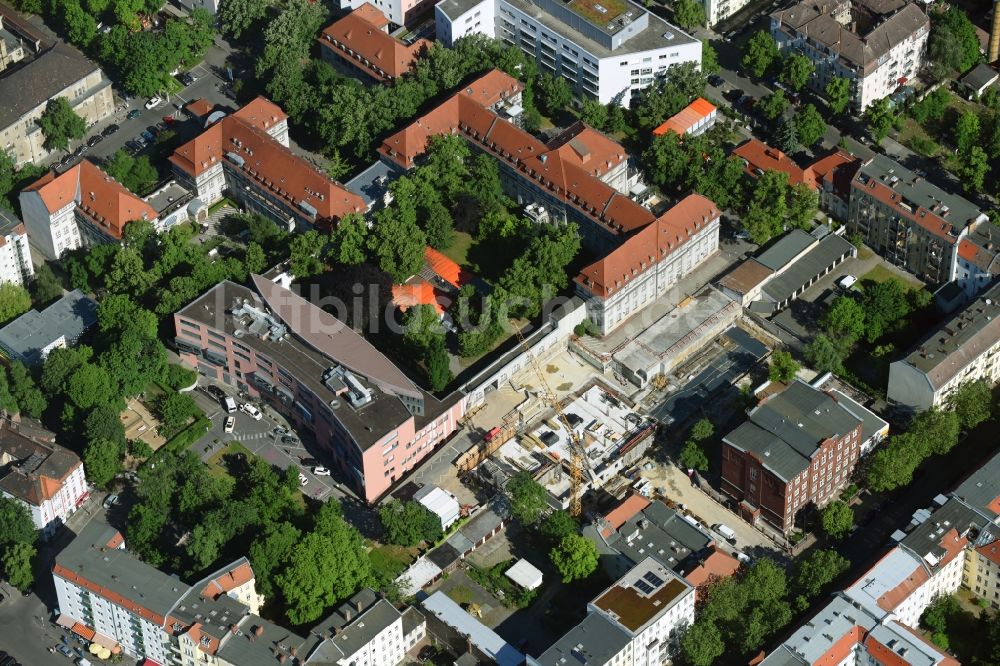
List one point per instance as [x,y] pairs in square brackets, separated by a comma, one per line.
[441,503]
[833,175]
[978,259]
[464,633]
[109,597]
[44,73]
[878,45]
[694,119]
[41,475]
[15,253]
[576,178]
[399,12]
[32,336]
[362,40]
[910,222]
[760,157]
[246,156]
[211,6]
[605,51]
[717,11]
[979,80]
[796,448]
[81,206]
[634,622]
[277,347]
[17,38]
[650,262]
[965,349]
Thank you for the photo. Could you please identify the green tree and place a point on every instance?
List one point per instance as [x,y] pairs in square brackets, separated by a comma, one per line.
[237,17]
[347,240]
[102,460]
[953,44]
[689,14]
[768,207]
[972,403]
[88,386]
[409,523]
[668,95]
[132,361]
[30,399]
[17,565]
[575,557]
[174,411]
[796,71]
[803,203]
[809,125]
[118,313]
[937,431]
[974,169]
[966,134]
[397,241]
[60,124]
[438,364]
[8,403]
[824,356]
[774,105]
[693,456]
[421,325]
[884,303]
[880,118]
[761,52]
[540,271]
[838,93]
[45,288]
[783,367]
[932,107]
[269,555]
[702,644]
[844,320]
[554,93]
[558,525]
[306,249]
[594,113]
[837,519]
[14,301]
[528,498]
[709,59]
[817,570]
[702,430]
[666,160]
[80,25]
[255,260]
[15,523]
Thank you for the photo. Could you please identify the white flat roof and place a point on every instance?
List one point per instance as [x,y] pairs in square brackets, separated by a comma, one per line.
[437,501]
[525,574]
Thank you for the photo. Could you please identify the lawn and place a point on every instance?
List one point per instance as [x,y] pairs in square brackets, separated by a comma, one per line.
[459,250]
[461,595]
[882,274]
[390,561]
[915,137]
[216,464]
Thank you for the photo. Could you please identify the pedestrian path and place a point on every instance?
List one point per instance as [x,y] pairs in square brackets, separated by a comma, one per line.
[215,219]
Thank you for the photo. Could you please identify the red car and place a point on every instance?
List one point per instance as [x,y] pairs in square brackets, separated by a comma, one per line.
[168,120]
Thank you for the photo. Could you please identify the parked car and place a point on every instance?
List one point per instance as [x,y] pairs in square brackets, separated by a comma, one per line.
[228,404]
[66,651]
[291,440]
[303,480]
[153,102]
[81,150]
[230,424]
[321,471]
[215,391]
[110,501]
[94,140]
[251,411]
[716,80]
[109,130]
[278,431]
[847,282]
[147,136]
[310,462]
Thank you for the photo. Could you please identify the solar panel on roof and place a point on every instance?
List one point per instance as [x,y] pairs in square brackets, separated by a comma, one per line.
[653,579]
[643,586]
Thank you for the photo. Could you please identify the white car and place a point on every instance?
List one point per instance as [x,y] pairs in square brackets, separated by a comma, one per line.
[302,479]
[321,471]
[230,424]
[847,282]
[251,411]
[153,102]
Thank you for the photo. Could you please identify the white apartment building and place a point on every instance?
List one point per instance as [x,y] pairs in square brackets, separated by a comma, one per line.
[650,262]
[719,10]
[965,349]
[46,478]
[632,623]
[606,51]
[878,46]
[15,254]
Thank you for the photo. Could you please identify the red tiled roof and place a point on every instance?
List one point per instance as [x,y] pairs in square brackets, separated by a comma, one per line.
[199,107]
[361,39]
[566,177]
[446,269]
[239,575]
[85,632]
[717,565]
[648,246]
[761,156]
[406,296]
[843,648]
[838,169]
[265,161]
[585,147]
[682,121]
[627,509]
[102,198]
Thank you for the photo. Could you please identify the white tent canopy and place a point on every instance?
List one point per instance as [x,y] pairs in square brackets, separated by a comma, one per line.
[525,575]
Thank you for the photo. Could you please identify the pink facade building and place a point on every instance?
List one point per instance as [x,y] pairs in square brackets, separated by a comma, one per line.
[267,341]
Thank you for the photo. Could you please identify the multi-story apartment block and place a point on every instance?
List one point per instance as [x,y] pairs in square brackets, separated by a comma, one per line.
[362,40]
[31,337]
[399,12]
[109,597]
[17,38]
[912,223]
[46,478]
[717,11]
[15,253]
[649,263]
[635,622]
[81,206]
[965,349]
[47,73]
[606,51]
[577,178]
[797,447]
[877,46]
[276,346]
[246,155]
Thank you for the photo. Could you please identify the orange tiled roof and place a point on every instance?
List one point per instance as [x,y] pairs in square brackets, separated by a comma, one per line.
[585,147]
[627,509]
[199,107]
[362,34]
[717,565]
[838,169]
[682,121]
[446,269]
[266,161]
[229,580]
[648,246]
[759,155]
[84,631]
[842,649]
[406,296]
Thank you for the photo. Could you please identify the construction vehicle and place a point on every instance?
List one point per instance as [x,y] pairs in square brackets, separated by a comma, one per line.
[577,453]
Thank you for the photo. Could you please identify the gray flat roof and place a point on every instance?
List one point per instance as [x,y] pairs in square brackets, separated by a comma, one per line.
[926,538]
[248,650]
[596,640]
[29,334]
[351,629]
[871,422]
[372,183]
[455,8]
[650,38]
[481,636]
[810,265]
[165,197]
[980,76]
[7,221]
[659,532]
[982,489]
[786,248]
[118,571]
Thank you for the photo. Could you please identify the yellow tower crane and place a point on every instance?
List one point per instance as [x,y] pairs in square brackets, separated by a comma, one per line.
[577,454]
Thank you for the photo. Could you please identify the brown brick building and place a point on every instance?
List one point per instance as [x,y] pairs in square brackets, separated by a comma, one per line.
[797,446]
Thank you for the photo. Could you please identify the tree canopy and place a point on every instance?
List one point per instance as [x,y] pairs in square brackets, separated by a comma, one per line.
[60,124]
[575,557]
[837,519]
[527,497]
[409,523]
[760,53]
